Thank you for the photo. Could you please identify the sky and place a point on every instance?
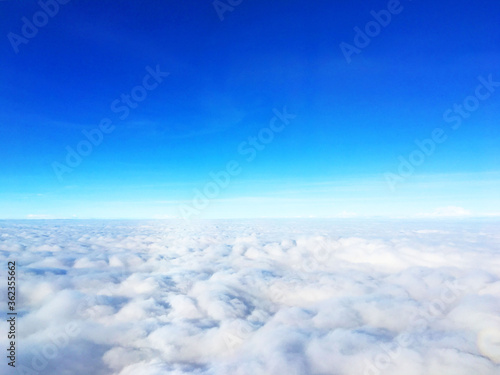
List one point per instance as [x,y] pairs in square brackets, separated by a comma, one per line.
[201,109]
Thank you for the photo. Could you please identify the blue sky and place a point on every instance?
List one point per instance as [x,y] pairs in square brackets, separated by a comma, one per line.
[338,156]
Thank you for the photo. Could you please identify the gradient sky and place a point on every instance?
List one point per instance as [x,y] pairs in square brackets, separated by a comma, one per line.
[226,78]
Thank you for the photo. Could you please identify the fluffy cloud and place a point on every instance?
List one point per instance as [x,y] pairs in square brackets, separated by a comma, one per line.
[301,297]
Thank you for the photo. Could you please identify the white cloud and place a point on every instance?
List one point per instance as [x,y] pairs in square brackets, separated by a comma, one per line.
[39,216]
[448,211]
[258,296]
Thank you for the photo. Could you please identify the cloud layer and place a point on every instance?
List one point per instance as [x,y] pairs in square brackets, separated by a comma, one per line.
[270,297]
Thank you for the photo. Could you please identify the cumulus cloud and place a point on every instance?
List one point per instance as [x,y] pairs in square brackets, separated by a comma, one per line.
[257,297]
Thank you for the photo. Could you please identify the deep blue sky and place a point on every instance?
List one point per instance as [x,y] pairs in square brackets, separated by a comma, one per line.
[353,120]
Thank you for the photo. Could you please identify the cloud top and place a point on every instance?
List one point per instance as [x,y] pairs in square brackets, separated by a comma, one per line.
[257,297]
